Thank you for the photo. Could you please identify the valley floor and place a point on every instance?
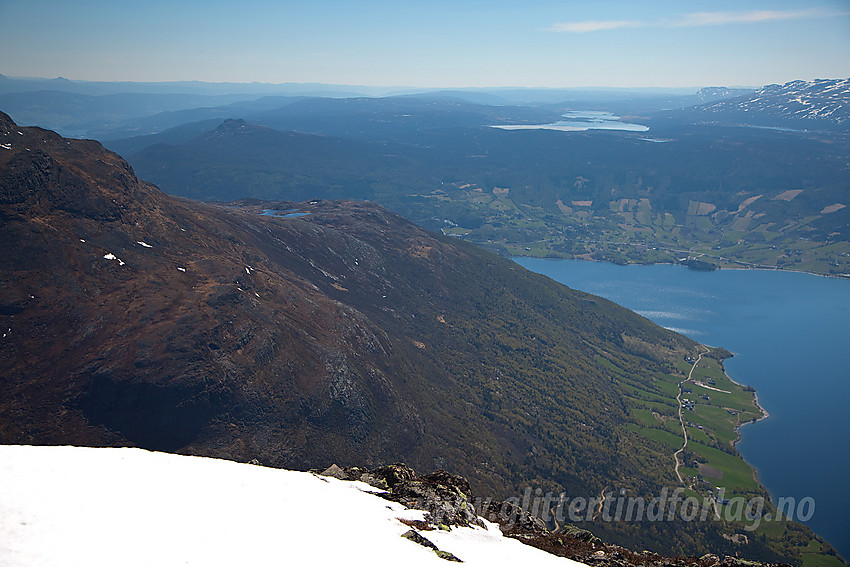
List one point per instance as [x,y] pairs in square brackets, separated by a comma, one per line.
[632,232]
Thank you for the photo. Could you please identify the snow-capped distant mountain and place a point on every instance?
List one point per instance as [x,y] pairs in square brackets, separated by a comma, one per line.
[713,94]
[104,507]
[821,102]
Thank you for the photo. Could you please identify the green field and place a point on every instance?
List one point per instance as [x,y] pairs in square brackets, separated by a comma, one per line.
[641,235]
[737,474]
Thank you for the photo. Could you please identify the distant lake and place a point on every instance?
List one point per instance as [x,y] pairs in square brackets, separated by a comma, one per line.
[790,333]
[580,122]
[287,214]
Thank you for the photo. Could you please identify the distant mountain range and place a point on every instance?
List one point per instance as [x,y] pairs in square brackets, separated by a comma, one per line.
[103,110]
[195,88]
[81,114]
[823,103]
[110,111]
[711,94]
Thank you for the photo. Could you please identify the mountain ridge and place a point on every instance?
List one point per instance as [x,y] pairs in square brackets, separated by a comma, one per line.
[816,104]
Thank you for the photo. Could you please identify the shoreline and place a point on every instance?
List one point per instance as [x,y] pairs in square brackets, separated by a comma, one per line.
[829,276]
[765,415]
[845,277]
[764,412]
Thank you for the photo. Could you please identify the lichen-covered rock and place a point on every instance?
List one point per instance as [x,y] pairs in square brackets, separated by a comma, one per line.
[384,477]
[448,480]
[416,537]
[579,534]
[388,476]
[446,498]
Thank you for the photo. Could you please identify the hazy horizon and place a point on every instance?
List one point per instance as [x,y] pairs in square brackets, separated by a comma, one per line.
[441,44]
[407,87]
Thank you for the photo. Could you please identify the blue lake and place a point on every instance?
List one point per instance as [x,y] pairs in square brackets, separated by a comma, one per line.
[790,333]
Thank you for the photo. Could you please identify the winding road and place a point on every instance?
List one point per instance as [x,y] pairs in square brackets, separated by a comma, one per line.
[682,419]
[711,497]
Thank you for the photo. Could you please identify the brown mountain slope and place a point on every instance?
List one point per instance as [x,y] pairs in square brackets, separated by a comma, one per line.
[348,335]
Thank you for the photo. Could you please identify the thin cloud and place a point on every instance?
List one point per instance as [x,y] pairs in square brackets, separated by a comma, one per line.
[756,16]
[699,19]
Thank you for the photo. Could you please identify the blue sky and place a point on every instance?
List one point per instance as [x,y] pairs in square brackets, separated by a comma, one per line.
[439,43]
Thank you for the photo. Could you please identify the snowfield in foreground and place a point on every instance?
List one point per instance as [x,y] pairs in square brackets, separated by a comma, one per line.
[106,507]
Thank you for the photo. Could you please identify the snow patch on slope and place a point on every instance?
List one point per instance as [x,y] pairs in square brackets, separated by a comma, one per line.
[105,507]
[111,256]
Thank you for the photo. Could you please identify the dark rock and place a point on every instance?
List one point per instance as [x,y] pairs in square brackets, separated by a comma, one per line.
[447,556]
[444,496]
[448,480]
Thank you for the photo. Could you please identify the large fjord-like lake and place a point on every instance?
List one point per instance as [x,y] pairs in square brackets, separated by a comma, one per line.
[790,332]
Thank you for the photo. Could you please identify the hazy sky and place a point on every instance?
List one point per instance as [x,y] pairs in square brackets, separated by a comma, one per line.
[438,43]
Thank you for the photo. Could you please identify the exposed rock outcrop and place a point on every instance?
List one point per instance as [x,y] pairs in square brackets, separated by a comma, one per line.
[448,501]
[447,498]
